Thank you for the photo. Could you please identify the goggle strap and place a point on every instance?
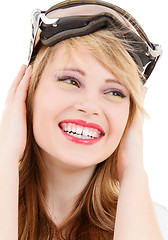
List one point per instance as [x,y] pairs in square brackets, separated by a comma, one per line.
[125,14]
[39,18]
[35,23]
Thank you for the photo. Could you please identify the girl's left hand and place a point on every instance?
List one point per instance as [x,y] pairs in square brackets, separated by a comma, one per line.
[130,156]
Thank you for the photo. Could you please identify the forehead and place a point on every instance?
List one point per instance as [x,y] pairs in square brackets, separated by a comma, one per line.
[81,59]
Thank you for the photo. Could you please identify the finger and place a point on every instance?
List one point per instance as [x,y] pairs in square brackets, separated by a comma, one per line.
[19,77]
[21,91]
[15,83]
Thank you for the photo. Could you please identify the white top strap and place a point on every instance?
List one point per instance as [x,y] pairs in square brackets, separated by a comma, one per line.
[162,216]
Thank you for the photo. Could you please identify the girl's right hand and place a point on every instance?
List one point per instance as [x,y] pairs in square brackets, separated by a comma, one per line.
[13,126]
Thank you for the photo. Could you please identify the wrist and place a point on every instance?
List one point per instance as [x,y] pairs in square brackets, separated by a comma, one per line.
[133,173]
[8,157]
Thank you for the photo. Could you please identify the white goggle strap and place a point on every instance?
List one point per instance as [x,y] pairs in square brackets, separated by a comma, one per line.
[38,17]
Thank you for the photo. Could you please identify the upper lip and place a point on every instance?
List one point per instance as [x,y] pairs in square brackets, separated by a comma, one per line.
[84,124]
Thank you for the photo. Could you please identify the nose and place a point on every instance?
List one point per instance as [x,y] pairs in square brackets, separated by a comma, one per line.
[88,104]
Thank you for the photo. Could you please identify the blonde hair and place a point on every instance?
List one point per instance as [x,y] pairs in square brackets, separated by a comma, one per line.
[95,210]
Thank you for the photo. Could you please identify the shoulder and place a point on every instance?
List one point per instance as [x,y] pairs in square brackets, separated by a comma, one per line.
[162,217]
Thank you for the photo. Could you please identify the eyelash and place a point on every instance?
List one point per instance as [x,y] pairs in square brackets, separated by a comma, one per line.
[116,93]
[71,79]
[74,82]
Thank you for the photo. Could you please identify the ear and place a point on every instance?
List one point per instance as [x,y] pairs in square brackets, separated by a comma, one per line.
[144,91]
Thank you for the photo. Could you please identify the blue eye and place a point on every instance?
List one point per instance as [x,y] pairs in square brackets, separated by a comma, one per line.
[116,93]
[69,80]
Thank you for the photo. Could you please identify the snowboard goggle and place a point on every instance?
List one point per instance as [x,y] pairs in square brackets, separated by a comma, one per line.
[78,18]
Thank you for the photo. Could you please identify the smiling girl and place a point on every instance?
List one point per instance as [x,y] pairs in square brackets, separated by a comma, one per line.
[73,121]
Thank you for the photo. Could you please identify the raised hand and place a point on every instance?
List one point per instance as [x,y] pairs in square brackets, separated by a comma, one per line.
[130,157]
[135,218]
[13,129]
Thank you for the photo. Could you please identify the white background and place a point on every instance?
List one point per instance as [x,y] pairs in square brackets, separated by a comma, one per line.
[152,15]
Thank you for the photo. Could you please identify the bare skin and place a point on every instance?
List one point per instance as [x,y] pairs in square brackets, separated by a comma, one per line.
[12,144]
[135,212]
[138,213]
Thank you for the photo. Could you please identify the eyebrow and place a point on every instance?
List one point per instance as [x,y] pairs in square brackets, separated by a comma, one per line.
[84,74]
[75,70]
[113,81]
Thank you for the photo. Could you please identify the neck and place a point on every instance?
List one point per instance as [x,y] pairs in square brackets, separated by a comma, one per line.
[64,185]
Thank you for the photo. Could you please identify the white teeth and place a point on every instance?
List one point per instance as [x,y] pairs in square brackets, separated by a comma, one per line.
[90,134]
[79,131]
[73,128]
[69,128]
[85,131]
[95,133]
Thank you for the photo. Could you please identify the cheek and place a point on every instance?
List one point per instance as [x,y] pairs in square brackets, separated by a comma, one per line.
[48,105]
[49,102]
[118,121]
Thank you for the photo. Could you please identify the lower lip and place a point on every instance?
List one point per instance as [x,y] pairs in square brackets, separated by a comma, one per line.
[80,140]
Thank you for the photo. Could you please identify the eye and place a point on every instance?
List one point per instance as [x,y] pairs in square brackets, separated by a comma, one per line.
[115,93]
[69,80]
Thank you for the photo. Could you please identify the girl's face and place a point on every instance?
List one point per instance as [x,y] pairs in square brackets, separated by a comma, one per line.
[80,111]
